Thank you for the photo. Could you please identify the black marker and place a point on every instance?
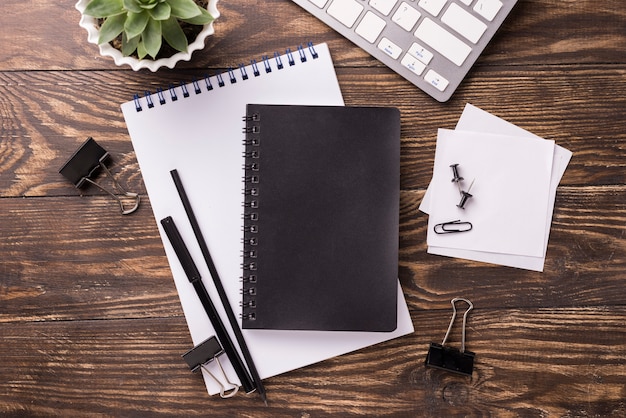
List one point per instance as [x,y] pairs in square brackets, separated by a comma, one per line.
[218,284]
[194,278]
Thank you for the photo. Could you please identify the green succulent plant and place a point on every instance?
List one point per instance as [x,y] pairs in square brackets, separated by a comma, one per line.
[144,24]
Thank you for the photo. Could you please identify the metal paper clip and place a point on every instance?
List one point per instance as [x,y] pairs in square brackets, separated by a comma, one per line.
[452,227]
[198,357]
[85,163]
[449,358]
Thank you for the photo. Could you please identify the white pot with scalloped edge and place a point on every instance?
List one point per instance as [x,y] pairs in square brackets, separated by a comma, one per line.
[90,24]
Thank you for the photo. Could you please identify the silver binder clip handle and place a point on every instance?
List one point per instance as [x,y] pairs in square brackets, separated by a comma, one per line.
[134,197]
[469,308]
[449,358]
[224,391]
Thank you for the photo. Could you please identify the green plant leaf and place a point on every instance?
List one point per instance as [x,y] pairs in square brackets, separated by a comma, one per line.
[104,8]
[111,28]
[136,23]
[161,12]
[173,34]
[132,6]
[148,4]
[184,9]
[202,19]
[151,37]
[141,50]
[129,45]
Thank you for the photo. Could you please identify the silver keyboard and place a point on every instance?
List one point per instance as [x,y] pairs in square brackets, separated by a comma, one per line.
[431,43]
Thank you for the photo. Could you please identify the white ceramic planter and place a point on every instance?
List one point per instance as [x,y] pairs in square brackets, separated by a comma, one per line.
[90,24]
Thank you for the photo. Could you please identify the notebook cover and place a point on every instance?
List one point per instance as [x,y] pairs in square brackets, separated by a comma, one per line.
[321,218]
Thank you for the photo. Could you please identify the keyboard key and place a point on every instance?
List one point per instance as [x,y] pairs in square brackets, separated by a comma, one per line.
[420,53]
[443,41]
[345,11]
[464,23]
[406,16]
[383,6]
[413,64]
[319,3]
[432,6]
[488,8]
[436,80]
[416,36]
[370,27]
[390,48]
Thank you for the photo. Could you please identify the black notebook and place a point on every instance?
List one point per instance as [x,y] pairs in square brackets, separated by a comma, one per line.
[321,214]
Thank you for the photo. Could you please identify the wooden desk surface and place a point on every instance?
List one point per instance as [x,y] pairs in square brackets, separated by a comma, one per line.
[90,321]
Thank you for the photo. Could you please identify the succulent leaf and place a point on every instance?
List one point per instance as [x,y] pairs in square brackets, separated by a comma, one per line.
[152,38]
[132,6]
[184,9]
[129,45]
[173,34]
[104,8]
[111,28]
[202,19]
[136,23]
[161,12]
[149,4]
[141,50]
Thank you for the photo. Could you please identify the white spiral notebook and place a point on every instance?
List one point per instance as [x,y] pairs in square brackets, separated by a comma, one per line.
[196,128]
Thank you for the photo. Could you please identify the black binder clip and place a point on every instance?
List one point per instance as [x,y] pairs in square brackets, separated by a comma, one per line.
[198,357]
[84,165]
[449,358]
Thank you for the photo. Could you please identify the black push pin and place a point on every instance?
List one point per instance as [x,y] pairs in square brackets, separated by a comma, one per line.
[450,358]
[465,195]
[456,178]
[198,357]
[85,164]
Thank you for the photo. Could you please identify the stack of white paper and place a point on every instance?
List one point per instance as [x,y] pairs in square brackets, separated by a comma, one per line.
[512,176]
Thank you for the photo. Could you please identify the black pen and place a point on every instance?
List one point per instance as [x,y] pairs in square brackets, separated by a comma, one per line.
[194,278]
[218,285]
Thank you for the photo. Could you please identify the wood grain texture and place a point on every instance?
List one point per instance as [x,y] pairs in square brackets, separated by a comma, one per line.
[530,362]
[90,321]
[44,123]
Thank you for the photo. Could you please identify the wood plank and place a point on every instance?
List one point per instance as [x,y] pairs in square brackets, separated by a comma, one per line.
[46,35]
[46,116]
[585,261]
[103,266]
[528,362]
[90,319]
[98,265]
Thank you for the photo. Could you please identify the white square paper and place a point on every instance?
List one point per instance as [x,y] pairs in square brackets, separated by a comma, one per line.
[509,178]
[478,120]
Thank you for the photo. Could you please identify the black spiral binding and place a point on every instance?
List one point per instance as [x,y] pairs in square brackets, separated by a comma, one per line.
[148,100]
[252,143]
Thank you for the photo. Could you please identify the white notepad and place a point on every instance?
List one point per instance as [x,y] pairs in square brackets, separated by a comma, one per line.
[509,178]
[477,120]
[201,136]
